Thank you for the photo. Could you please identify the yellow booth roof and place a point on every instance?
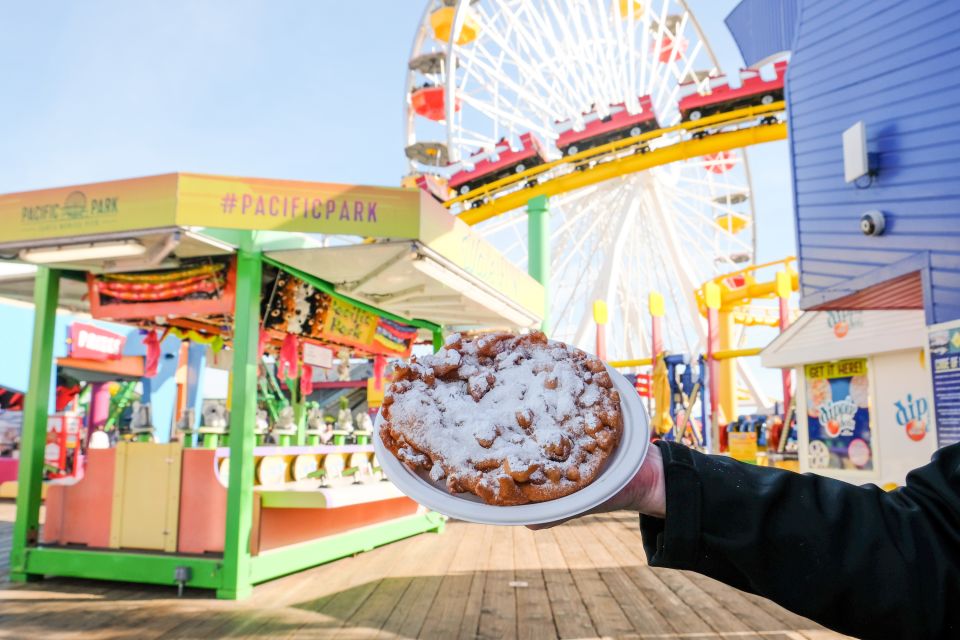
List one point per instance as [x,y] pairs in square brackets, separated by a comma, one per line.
[423,261]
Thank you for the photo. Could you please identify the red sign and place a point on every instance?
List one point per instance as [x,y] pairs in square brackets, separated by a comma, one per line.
[94,343]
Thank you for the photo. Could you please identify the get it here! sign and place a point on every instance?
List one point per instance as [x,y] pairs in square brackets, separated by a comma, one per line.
[93,343]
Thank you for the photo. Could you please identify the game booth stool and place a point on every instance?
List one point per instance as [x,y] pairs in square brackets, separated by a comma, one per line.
[238,264]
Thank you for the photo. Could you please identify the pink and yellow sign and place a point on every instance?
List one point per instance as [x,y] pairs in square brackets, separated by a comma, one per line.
[290,205]
[88,209]
[186,199]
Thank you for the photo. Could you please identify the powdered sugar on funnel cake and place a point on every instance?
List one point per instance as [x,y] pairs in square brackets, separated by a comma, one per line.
[512,419]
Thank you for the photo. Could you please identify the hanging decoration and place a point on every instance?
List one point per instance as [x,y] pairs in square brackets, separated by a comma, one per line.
[289,357]
[394,336]
[197,288]
[152,360]
[294,306]
[306,380]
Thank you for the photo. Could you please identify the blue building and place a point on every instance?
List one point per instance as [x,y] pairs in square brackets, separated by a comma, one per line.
[892,65]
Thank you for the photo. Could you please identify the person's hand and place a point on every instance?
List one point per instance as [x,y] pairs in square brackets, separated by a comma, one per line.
[644,493]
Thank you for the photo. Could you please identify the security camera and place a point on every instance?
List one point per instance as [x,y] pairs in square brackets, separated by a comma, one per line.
[872,223]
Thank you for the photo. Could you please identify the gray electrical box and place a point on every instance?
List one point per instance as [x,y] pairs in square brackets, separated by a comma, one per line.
[855,160]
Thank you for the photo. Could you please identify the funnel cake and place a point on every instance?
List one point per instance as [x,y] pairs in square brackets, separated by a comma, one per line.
[512,419]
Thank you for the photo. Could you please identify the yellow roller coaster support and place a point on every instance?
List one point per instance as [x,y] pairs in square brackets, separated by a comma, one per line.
[730,294]
[631,164]
[747,288]
[729,354]
[623,364]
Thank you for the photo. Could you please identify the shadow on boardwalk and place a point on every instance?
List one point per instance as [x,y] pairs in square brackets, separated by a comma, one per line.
[586,579]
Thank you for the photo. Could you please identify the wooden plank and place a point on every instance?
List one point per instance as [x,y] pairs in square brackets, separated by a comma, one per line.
[621,539]
[451,581]
[823,634]
[735,601]
[397,577]
[611,563]
[498,616]
[278,600]
[746,606]
[608,618]
[361,576]
[570,615]
[116,616]
[411,610]
[788,619]
[49,605]
[470,623]
[714,614]
[534,616]
[450,607]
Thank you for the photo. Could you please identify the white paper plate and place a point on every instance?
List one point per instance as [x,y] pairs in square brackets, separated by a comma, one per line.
[619,469]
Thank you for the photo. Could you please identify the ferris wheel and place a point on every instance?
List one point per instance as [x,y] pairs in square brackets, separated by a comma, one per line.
[550,69]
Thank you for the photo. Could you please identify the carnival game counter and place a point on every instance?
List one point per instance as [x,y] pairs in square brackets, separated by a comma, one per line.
[160,497]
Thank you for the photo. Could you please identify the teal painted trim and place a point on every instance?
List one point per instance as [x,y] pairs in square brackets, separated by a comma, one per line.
[123,566]
[286,560]
[326,287]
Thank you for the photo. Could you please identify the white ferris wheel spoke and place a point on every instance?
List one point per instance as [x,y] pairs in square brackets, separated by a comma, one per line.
[539,65]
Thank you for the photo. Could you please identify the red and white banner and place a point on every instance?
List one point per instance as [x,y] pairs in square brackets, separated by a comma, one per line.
[94,343]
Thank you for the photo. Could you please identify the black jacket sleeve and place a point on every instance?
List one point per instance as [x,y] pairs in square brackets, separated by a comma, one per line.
[856,559]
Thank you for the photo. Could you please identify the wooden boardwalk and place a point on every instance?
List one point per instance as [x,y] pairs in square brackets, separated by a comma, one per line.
[586,579]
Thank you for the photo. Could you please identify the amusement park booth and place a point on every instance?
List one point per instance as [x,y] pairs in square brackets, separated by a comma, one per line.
[864,398]
[259,488]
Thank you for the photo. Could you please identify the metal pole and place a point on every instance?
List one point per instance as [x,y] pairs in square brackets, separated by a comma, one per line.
[657,311]
[299,404]
[236,550]
[784,288]
[712,297]
[727,367]
[600,317]
[33,439]
[538,249]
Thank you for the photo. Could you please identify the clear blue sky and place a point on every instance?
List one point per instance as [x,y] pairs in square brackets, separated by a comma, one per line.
[99,90]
